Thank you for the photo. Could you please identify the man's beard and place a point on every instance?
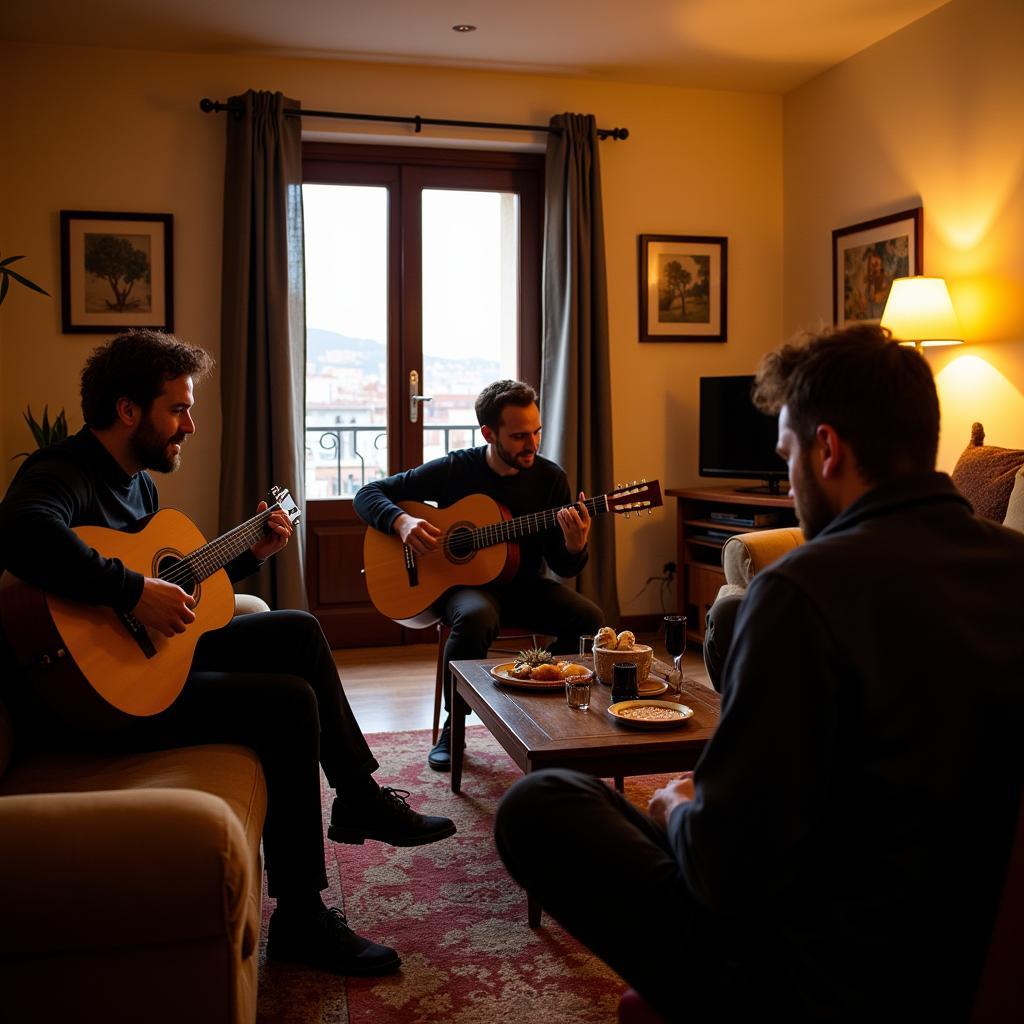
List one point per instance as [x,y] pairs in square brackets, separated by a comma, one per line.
[513,460]
[812,507]
[151,450]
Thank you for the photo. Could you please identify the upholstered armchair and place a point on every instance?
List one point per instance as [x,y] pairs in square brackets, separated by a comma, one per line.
[743,556]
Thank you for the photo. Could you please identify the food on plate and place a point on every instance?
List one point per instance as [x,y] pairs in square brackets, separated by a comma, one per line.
[546,673]
[605,637]
[647,713]
[570,668]
[528,660]
[625,640]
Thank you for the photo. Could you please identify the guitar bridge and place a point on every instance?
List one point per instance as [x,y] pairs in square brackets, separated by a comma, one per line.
[138,633]
[410,566]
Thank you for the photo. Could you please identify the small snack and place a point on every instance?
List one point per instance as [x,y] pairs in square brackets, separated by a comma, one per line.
[547,672]
[646,713]
[625,640]
[521,670]
[605,637]
[570,668]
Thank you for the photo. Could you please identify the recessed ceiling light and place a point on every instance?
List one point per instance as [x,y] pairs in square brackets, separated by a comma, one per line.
[463,28]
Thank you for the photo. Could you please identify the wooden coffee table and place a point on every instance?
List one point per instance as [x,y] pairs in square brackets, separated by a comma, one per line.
[538,730]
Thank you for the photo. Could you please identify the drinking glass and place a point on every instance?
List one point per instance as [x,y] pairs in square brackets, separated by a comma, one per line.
[675,644]
[586,647]
[577,692]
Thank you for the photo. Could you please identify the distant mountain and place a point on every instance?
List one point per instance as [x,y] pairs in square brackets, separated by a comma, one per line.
[371,356]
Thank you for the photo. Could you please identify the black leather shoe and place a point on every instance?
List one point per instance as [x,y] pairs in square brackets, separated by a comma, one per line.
[386,816]
[323,939]
[440,756]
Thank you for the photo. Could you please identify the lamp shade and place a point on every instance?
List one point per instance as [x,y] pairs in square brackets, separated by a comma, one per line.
[919,311]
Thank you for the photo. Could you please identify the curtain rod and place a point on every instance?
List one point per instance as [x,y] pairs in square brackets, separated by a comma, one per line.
[208,106]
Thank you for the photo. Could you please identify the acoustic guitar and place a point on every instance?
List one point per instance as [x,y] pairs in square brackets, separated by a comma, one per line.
[76,653]
[477,546]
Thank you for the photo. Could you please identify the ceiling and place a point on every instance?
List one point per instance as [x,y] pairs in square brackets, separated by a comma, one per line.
[748,45]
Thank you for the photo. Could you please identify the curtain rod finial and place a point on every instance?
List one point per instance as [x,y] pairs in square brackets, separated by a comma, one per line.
[207,106]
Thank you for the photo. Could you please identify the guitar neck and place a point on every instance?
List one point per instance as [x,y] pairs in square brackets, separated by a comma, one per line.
[211,557]
[524,526]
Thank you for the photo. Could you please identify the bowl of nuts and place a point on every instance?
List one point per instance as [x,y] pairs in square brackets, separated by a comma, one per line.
[610,648]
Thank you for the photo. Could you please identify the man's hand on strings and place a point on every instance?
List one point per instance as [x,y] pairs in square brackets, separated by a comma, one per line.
[165,607]
[277,532]
[575,523]
[419,534]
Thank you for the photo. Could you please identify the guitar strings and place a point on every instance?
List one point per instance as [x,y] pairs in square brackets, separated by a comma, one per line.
[495,533]
[207,559]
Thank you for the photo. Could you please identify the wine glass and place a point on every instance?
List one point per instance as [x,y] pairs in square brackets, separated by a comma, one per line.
[675,644]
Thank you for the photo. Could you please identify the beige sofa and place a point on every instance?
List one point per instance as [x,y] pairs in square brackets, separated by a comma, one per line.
[130,885]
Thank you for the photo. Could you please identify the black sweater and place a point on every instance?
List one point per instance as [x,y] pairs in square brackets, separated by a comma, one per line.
[461,473]
[79,483]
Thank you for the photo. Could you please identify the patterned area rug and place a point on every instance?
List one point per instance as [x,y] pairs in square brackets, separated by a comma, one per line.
[452,912]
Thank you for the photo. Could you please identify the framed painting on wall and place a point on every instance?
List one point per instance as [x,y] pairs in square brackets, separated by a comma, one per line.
[866,258]
[116,271]
[683,295]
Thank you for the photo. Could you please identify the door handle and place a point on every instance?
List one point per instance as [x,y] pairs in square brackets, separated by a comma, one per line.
[415,397]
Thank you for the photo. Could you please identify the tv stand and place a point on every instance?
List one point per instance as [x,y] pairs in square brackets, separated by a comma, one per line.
[706,517]
[770,487]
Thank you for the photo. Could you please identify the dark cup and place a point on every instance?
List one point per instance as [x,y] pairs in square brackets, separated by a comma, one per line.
[624,684]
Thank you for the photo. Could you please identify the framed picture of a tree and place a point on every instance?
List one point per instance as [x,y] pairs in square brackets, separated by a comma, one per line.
[683,294]
[116,271]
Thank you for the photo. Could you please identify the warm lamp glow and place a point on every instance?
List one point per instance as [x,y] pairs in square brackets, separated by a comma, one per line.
[919,311]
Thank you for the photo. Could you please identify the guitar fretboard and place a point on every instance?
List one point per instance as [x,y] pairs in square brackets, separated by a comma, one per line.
[523,526]
[206,560]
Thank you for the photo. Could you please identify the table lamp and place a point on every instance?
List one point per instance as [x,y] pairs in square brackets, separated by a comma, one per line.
[920,312]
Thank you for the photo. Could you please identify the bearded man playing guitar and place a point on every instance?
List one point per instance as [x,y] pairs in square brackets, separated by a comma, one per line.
[266,680]
[510,470]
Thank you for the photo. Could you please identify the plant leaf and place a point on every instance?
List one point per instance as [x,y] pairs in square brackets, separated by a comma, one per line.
[4,285]
[24,281]
[10,259]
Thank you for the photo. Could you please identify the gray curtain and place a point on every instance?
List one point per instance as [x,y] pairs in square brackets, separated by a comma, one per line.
[262,362]
[576,381]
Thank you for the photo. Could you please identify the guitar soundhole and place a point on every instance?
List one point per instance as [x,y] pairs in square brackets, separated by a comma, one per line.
[458,543]
[169,566]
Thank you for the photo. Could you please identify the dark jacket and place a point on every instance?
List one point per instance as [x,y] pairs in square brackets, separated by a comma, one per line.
[855,808]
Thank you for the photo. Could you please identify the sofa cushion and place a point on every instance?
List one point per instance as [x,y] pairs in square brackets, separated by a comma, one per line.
[984,475]
[1015,507]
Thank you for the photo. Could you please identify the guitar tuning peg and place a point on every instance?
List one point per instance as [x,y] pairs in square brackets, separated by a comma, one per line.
[650,511]
[626,514]
[643,479]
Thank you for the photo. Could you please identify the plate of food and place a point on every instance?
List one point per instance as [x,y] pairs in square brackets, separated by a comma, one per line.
[650,714]
[537,669]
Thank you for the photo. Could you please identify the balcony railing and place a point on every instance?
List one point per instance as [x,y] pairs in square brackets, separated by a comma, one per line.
[341,458]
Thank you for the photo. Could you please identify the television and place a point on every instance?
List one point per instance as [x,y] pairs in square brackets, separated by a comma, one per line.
[737,439]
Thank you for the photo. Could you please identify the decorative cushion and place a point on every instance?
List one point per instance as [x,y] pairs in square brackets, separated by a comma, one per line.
[985,475]
[1015,508]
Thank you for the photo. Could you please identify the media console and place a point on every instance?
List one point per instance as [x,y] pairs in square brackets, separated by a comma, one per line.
[706,517]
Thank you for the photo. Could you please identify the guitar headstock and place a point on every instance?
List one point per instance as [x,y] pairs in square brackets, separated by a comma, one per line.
[635,497]
[282,499]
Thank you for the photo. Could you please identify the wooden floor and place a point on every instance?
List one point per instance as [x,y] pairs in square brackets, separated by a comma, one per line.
[391,689]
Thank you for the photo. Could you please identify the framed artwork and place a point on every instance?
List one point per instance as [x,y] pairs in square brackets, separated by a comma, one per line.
[116,271]
[683,288]
[866,258]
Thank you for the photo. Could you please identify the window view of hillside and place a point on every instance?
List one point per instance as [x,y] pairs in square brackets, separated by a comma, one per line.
[470,290]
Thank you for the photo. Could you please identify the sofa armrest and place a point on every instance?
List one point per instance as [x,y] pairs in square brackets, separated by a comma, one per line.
[746,554]
[121,868]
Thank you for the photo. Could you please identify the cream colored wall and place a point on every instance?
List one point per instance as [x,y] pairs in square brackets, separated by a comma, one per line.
[931,116]
[121,130]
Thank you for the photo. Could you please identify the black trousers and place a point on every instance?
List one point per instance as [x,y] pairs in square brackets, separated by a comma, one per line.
[538,603]
[605,872]
[268,681]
